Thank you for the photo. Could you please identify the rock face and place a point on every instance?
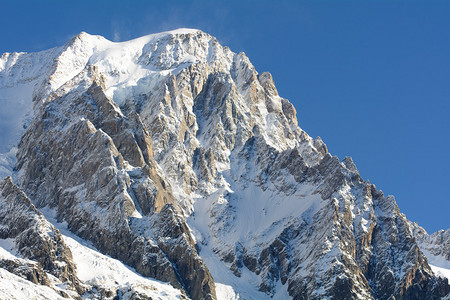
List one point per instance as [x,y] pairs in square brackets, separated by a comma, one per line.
[35,239]
[117,201]
[173,155]
[436,244]
[39,263]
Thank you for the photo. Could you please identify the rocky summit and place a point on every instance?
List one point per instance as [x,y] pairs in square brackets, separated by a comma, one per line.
[167,167]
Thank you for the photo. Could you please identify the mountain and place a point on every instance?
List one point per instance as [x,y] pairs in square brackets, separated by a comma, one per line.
[167,167]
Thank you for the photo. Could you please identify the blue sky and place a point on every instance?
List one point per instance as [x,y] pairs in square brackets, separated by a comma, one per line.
[372,78]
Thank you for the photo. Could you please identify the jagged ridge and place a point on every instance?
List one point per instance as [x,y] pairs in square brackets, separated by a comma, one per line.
[171,150]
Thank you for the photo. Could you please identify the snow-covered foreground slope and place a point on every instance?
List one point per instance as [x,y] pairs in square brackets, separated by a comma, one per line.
[15,287]
[172,155]
[94,270]
[100,276]
[101,271]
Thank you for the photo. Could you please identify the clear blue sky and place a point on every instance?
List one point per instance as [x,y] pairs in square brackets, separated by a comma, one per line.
[372,78]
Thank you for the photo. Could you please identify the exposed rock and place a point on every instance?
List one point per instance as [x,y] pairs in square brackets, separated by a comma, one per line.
[35,239]
[88,157]
[185,148]
[27,270]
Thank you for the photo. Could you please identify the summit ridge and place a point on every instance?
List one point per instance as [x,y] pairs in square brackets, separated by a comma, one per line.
[172,155]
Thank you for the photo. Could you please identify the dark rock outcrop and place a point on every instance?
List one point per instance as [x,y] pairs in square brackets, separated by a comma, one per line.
[35,239]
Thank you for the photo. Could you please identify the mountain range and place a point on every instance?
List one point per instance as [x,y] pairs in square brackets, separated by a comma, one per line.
[167,167]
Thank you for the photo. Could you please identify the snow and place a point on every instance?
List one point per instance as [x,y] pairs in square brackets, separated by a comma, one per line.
[439,264]
[234,210]
[15,113]
[20,73]
[7,249]
[441,271]
[241,212]
[225,292]
[229,285]
[434,248]
[20,288]
[439,261]
[130,68]
[14,287]
[183,31]
[26,75]
[97,269]
[7,162]
[261,214]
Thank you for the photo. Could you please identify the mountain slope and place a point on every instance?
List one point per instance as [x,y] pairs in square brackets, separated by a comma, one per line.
[54,265]
[172,154]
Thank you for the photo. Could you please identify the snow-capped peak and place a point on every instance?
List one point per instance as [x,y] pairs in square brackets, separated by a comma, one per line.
[31,77]
[172,154]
